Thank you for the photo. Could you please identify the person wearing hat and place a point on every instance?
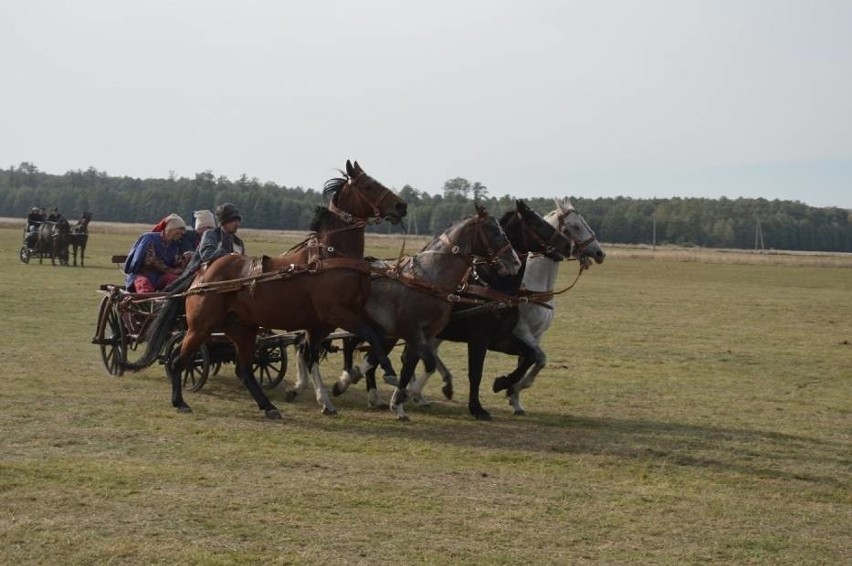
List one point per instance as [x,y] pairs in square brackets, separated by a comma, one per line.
[34,219]
[215,243]
[155,260]
[204,220]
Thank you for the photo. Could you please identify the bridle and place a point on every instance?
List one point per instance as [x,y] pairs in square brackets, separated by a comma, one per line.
[547,247]
[560,223]
[359,195]
[479,224]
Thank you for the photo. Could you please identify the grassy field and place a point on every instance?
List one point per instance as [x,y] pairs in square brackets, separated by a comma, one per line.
[696,409]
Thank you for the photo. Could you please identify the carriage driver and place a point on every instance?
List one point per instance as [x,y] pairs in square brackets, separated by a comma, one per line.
[155,260]
[215,243]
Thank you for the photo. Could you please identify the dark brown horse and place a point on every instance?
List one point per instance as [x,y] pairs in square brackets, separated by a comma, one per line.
[318,286]
[79,237]
[52,241]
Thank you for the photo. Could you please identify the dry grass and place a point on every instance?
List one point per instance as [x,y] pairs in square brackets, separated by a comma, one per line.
[692,412]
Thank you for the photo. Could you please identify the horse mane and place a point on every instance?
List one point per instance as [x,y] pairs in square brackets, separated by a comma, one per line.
[321,213]
[507,216]
[333,186]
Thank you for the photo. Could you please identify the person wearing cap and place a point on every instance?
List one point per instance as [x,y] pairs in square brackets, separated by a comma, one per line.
[215,243]
[155,260]
[34,219]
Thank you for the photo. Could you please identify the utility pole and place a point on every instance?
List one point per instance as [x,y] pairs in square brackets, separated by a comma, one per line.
[654,232]
[758,235]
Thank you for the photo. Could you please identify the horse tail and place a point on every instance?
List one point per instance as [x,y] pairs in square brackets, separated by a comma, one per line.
[161,329]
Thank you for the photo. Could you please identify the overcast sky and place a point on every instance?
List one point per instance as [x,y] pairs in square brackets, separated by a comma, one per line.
[530,97]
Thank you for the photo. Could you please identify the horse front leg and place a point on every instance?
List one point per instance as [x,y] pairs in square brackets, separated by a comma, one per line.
[476,350]
[410,357]
[514,392]
[351,373]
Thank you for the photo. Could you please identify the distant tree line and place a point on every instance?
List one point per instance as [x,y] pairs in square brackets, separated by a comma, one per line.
[721,223]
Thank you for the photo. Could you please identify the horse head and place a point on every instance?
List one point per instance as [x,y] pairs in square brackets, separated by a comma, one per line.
[568,221]
[482,236]
[82,225]
[363,198]
[529,232]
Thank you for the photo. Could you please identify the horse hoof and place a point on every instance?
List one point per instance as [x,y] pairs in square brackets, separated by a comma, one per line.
[483,416]
[402,418]
[290,396]
[273,414]
[501,383]
[336,390]
[328,411]
[391,379]
[520,413]
[184,409]
[378,406]
[447,390]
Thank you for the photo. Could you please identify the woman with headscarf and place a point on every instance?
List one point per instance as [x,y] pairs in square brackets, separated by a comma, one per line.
[155,260]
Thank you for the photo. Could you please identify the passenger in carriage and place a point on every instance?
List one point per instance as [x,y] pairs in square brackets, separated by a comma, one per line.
[155,260]
[34,219]
[215,243]
[54,215]
[204,221]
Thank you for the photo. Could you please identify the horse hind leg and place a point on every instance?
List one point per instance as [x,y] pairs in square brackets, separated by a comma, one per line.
[311,357]
[302,372]
[244,340]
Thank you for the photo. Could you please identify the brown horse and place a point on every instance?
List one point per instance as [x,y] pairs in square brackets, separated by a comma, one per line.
[79,237]
[321,285]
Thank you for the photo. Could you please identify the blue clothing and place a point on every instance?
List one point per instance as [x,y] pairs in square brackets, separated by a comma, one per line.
[168,253]
[214,244]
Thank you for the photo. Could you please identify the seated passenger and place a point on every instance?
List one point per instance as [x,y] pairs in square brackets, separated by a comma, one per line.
[155,260]
[34,219]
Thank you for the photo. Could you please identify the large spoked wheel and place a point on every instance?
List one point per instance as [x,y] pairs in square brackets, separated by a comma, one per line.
[111,338]
[24,254]
[194,375]
[270,363]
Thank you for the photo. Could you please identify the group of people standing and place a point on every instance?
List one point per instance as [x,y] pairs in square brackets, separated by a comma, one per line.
[165,258]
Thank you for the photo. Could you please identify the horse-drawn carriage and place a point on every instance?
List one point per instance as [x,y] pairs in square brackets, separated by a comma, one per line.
[46,240]
[123,321]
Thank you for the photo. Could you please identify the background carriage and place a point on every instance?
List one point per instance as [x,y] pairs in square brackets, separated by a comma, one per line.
[49,240]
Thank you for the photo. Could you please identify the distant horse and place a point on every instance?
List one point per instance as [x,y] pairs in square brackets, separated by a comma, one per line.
[318,286]
[79,237]
[53,241]
[492,310]
[534,316]
[413,300]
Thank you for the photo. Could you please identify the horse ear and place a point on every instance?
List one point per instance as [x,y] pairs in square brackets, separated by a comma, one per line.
[480,210]
[559,204]
[358,169]
[349,170]
[521,205]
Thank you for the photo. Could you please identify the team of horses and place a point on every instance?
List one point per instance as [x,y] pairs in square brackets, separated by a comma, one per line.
[467,284]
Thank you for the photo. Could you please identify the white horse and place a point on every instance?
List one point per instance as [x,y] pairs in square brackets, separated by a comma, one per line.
[534,318]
